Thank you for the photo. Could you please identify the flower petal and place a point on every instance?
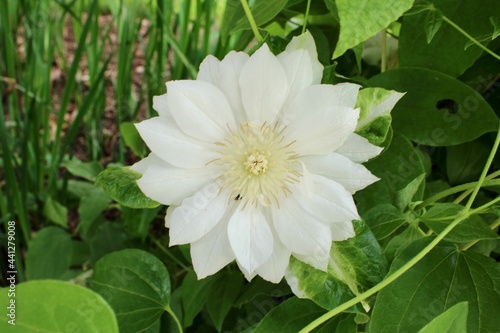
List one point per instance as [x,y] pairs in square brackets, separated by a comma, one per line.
[209,70]
[160,104]
[169,185]
[342,231]
[325,199]
[230,68]
[263,85]
[250,237]
[352,176]
[274,268]
[197,215]
[143,164]
[166,140]
[213,251]
[306,42]
[299,230]
[358,149]
[320,120]
[297,65]
[200,109]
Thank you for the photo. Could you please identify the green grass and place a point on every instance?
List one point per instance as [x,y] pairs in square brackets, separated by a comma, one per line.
[37,139]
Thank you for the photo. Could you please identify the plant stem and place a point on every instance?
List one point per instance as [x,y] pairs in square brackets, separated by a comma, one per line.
[485,171]
[251,20]
[472,39]
[383,65]
[177,261]
[169,310]
[456,189]
[306,17]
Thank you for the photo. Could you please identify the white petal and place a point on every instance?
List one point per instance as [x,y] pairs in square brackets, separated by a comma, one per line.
[325,199]
[168,216]
[264,86]
[342,231]
[298,68]
[160,104]
[274,268]
[250,237]
[143,164]
[358,149]
[212,252]
[230,68]
[200,109]
[169,185]
[225,75]
[197,215]
[166,140]
[317,126]
[209,70]
[299,230]
[352,176]
[306,42]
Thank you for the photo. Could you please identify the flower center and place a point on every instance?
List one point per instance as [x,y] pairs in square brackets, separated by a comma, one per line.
[257,163]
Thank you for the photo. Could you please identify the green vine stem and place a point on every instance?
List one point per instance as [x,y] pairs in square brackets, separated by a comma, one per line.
[492,226]
[472,39]
[251,20]
[466,212]
[306,17]
[169,310]
[485,172]
[383,65]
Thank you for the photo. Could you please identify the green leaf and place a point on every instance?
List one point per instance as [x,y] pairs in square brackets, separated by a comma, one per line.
[399,242]
[407,195]
[88,170]
[137,286]
[108,237]
[356,265]
[433,21]
[194,295]
[119,183]
[232,14]
[437,110]
[465,162]
[321,287]
[375,107]
[383,220]
[441,53]
[441,279]
[55,212]
[91,206]
[473,228]
[361,19]
[222,296]
[132,138]
[49,254]
[263,11]
[453,320]
[138,221]
[396,167]
[56,306]
[359,261]
[290,316]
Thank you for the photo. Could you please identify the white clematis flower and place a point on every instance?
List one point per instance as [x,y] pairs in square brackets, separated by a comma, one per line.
[257,160]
